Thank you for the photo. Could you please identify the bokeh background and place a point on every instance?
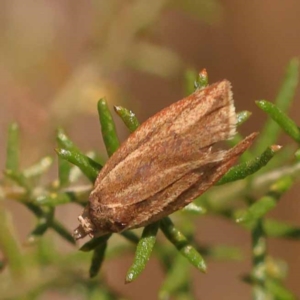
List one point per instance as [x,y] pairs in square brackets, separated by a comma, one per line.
[59,57]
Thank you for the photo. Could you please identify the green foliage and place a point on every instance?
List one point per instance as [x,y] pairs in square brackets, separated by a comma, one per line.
[143,251]
[257,195]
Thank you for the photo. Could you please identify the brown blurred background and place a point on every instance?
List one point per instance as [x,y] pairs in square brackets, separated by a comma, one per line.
[59,57]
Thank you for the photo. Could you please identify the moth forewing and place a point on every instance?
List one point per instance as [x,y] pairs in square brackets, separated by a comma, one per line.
[176,140]
[166,163]
[186,189]
[194,107]
[169,161]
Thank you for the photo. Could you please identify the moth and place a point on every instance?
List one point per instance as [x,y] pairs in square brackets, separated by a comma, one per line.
[171,159]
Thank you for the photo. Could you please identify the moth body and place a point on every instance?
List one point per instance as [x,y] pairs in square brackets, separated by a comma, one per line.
[165,164]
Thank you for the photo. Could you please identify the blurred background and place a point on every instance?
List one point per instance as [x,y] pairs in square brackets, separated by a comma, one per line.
[59,57]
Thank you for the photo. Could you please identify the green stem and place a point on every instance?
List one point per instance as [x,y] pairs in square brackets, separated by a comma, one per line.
[62,231]
[10,246]
[44,222]
[267,202]
[259,249]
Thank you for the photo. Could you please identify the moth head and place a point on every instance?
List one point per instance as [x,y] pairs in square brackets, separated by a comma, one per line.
[86,226]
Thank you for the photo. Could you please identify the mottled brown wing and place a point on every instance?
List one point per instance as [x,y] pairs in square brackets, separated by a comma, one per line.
[144,174]
[181,148]
[191,109]
[184,190]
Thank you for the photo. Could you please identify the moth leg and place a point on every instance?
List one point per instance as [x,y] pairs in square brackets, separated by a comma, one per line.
[85,228]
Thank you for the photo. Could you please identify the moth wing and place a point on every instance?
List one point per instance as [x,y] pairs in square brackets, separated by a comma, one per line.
[191,109]
[181,192]
[145,172]
[213,176]
[187,188]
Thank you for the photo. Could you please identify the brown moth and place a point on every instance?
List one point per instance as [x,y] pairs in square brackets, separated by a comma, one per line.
[165,164]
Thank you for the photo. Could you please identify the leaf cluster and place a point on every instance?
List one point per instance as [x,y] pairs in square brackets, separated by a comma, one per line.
[262,170]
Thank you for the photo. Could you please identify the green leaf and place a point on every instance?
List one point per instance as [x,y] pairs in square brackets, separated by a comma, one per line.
[53,199]
[182,244]
[287,124]
[285,96]
[89,167]
[75,172]
[195,209]
[94,243]
[202,81]
[18,178]
[64,169]
[108,128]
[176,278]
[278,291]
[36,210]
[194,80]
[242,117]
[143,252]
[128,118]
[267,202]
[274,228]
[248,168]
[12,148]
[97,259]
[297,155]
[64,141]
[39,168]
[269,288]
[289,85]
[68,152]
[222,253]
[55,225]
[130,236]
